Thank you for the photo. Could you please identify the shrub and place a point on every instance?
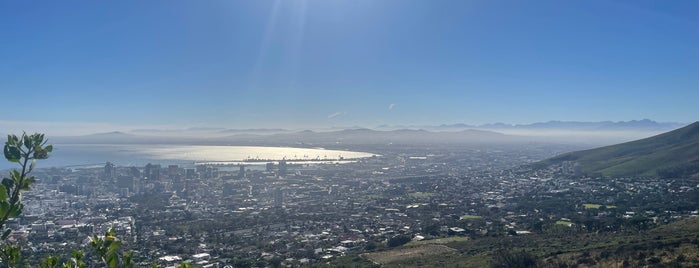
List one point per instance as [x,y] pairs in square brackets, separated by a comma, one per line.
[518,259]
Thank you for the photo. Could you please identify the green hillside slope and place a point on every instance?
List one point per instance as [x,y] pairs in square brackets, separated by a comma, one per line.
[671,154]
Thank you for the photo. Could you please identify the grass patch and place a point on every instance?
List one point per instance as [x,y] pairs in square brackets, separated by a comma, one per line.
[400,254]
[565,223]
[470,217]
[596,206]
[438,241]
[420,194]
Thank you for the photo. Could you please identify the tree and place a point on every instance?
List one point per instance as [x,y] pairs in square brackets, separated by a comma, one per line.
[398,240]
[107,248]
[23,150]
[513,259]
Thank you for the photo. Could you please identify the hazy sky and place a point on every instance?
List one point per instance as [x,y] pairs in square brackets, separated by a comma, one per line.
[298,64]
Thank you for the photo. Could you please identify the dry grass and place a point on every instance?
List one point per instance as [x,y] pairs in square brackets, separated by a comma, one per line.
[400,254]
[439,241]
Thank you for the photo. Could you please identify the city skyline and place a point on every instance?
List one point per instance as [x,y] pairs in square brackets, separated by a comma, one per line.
[320,64]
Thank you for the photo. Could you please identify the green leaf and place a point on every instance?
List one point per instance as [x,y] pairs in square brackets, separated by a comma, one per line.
[114,246]
[8,183]
[12,153]
[127,259]
[39,138]
[28,142]
[14,174]
[48,148]
[50,262]
[16,211]
[77,254]
[36,138]
[26,183]
[112,260]
[12,139]
[40,153]
[3,193]
[4,206]
[6,234]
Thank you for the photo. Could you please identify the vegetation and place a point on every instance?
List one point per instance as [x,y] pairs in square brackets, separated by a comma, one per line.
[438,241]
[509,259]
[24,150]
[674,154]
[672,245]
[564,223]
[407,253]
[596,206]
[398,240]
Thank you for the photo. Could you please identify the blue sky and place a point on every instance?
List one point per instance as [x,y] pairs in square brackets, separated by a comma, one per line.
[311,64]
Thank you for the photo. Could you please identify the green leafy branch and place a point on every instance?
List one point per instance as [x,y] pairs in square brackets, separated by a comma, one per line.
[24,150]
[107,248]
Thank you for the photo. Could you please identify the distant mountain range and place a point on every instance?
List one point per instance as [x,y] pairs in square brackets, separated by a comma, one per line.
[670,155]
[306,138]
[210,130]
[593,133]
[400,136]
[633,125]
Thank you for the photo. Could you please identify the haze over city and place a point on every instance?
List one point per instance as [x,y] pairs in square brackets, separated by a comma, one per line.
[94,67]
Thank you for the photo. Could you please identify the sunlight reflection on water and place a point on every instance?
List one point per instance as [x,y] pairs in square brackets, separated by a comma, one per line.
[139,155]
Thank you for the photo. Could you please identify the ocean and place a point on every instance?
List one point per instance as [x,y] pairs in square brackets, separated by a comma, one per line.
[84,155]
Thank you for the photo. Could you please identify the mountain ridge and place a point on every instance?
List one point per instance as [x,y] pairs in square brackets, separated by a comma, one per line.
[671,154]
[643,124]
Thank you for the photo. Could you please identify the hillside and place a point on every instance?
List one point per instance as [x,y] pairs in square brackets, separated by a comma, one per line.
[671,154]
[672,245]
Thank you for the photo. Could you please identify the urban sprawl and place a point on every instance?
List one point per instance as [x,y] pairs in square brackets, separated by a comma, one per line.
[307,214]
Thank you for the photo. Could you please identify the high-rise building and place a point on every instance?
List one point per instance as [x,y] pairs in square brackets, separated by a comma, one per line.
[211,172]
[135,172]
[125,182]
[152,172]
[173,171]
[282,168]
[147,170]
[241,172]
[109,170]
[278,197]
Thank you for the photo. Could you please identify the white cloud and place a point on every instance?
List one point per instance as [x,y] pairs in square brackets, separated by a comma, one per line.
[336,115]
[390,106]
